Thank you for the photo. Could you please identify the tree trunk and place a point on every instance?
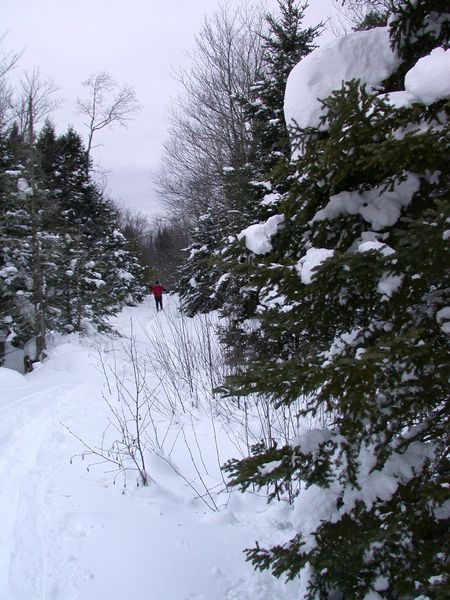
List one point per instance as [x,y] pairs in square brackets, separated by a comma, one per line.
[38,283]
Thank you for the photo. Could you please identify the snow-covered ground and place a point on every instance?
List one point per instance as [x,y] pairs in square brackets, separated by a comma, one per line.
[71,532]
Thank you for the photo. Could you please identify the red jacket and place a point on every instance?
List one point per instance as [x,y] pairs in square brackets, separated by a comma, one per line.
[157,290]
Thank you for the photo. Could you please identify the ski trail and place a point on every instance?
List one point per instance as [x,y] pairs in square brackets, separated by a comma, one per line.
[23,428]
[40,520]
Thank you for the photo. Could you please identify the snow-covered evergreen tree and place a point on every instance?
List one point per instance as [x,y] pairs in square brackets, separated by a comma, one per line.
[28,250]
[355,301]
[15,251]
[251,189]
[86,269]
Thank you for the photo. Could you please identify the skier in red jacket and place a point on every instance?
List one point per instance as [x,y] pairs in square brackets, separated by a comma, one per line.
[157,290]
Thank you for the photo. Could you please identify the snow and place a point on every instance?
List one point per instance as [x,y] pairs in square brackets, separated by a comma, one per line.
[311,440]
[389,284]
[70,533]
[340,344]
[271,199]
[11,380]
[313,258]
[316,504]
[443,318]
[364,55]
[379,207]
[23,186]
[125,275]
[429,79]
[381,484]
[7,271]
[384,249]
[258,236]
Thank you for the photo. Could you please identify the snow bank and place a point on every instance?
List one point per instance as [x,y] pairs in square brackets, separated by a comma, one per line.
[69,533]
[258,236]
[365,55]
[312,259]
[11,380]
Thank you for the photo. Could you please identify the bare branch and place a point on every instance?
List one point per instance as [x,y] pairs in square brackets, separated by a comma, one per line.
[208,126]
[35,95]
[106,104]
[8,60]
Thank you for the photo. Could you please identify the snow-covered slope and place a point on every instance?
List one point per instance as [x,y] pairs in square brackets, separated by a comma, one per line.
[69,533]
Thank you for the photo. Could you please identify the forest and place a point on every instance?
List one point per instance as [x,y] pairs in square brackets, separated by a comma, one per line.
[307,203]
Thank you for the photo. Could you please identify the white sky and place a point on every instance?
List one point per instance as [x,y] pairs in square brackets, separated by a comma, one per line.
[137,42]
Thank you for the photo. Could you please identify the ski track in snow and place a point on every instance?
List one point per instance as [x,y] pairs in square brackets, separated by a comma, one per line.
[69,534]
[40,518]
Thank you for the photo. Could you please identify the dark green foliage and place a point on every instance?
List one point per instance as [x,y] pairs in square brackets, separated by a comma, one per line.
[417,28]
[371,20]
[199,276]
[64,227]
[364,340]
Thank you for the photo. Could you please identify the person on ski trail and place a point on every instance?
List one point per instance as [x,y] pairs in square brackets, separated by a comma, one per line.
[157,290]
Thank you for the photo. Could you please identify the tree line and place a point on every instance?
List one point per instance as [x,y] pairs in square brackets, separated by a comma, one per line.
[65,264]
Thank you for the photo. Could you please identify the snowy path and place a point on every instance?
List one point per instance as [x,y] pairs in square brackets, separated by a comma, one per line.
[38,513]
[70,534]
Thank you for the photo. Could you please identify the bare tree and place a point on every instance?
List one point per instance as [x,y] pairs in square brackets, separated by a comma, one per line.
[208,127]
[107,104]
[34,102]
[8,61]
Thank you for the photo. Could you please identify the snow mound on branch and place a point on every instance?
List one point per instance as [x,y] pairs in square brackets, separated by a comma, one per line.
[389,284]
[258,236]
[429,79]
[427,82]
[312,259]
[384,249]
[11,380]
[379,208]
[364,55]
[443,318]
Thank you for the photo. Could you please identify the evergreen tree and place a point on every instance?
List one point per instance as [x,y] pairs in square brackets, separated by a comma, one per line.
[253,187]
[100,272]
[15,250]
[260,185]
[361,333]
[54,222]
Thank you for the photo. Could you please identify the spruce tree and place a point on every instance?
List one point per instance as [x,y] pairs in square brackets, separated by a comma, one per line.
[362,335]
[97,271]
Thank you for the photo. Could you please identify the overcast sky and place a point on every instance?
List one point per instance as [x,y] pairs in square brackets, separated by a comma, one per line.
[138,42]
